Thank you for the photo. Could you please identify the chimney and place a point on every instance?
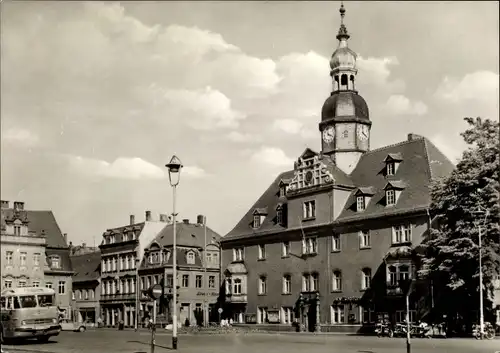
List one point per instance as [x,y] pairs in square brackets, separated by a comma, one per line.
[18,206]
[412,137]
[163,218]
[148,216]
[5,204]
[185,221]
[132,219]
[200,219]
[65,235]
[84,245]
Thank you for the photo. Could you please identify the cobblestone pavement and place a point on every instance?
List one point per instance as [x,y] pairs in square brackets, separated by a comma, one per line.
[110,341]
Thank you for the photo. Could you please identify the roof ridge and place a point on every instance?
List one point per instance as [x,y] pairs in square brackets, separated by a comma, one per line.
[395,144]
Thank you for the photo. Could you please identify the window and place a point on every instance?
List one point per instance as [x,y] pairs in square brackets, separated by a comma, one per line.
[366,278]
[310,245]
[337,281]
[7,283]
[36,284]
[262,285]
[114,263]
[170,281]
[287,284]
[91,293]
[279,216]
[262,315]
[285,249]
[306,283]
[364,239]
[17,230]
[336,242]
[237,286]
[286,314]
[310,282]
[23,256]
[256,221]
[404,272]
[36,259]
[22,283]
[62,287]
[338,314]
[211,282]
[401,234]
[360,203]
[55,262]
[262,251]
[314,282]
[238,254]
[9,257]
[309,209]
[199,281]
[390,168]
[229,288]
[48,285]
[393,276]
[368,315]
[282,191]
[390,196]
[190,258]
[401,316]
[185,281]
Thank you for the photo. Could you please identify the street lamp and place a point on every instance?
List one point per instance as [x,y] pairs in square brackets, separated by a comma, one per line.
[174,175]
[479,212]
[137,289]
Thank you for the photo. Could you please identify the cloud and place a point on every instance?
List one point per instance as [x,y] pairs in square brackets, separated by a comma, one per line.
[294,127]
[20,136]
[272,156]
[377,71]
[398,104]
[194,172]
[452,148]
[239,137]
[480,86]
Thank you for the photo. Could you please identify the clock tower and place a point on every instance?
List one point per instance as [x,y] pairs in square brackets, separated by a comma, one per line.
[345,124]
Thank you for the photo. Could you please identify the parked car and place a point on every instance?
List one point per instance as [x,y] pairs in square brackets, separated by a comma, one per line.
[68,325]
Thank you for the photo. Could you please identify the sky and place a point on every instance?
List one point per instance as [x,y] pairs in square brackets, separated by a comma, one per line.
[97,97]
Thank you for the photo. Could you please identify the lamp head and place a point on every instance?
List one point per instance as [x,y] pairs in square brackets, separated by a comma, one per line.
[174,170]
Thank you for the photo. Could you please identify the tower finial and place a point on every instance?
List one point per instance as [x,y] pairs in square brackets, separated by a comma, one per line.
[342,30]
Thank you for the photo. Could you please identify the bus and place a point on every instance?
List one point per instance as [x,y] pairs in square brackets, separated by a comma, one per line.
[29,312]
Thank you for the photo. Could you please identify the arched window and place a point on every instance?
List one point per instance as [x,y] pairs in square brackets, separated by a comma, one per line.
[190,258]
[343,81]
[352,81]
[287,284]
[366,278]
[337,281]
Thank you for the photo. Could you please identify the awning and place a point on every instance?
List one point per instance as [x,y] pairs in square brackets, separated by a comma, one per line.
[237,268]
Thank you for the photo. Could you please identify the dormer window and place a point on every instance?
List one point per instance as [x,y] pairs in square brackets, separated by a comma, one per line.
[280,215]
[258,217]
[393,190]
[55,262]
[392,162]
[360,203]
[190,258]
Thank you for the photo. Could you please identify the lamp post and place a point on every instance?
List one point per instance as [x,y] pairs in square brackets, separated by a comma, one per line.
[174,174]
[137,289]
[479,212]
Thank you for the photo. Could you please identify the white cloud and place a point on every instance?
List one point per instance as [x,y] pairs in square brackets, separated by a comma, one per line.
[272,156]
[294,127]
[239,137]
[452,148]
[194,172]
[20,136]
[399,104]
[377,71]
[204,109]
[480,86]
[121,168]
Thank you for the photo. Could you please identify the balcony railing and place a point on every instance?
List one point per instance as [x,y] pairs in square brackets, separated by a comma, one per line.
[394,289]
[237,298]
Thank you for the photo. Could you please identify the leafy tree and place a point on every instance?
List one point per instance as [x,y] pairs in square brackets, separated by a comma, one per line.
[450,255]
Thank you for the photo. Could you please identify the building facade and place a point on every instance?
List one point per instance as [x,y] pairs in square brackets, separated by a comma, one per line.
[198,284]
[86,286]
[35,252]
[326,245]
[122,250]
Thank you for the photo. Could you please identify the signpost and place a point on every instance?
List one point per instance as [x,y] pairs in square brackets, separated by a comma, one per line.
[154,292]
[407,286]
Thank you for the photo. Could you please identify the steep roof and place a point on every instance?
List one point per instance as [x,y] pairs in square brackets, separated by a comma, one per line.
[86,267]
[420,162]
[41,223]
[189,235]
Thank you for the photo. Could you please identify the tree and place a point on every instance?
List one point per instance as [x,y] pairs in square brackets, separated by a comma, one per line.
[450,254]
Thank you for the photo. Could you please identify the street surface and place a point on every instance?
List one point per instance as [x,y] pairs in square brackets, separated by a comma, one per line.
[112,341]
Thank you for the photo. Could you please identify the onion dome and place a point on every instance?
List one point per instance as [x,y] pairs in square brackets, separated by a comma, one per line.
[343,57]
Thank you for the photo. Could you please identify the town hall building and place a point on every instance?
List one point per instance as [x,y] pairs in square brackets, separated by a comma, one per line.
[325,246]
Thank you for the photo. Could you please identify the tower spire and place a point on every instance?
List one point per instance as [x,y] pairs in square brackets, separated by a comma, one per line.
[342,35]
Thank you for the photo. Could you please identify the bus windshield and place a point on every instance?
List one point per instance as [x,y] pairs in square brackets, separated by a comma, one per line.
[27,301]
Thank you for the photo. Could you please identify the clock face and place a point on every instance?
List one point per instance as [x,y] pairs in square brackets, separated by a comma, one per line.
[328,134]
[363,132]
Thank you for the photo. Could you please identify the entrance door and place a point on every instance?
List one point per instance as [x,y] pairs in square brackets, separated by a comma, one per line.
[311,317]
[184,314]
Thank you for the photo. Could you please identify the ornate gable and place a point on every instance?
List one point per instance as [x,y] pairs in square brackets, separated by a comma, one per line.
[309,172]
